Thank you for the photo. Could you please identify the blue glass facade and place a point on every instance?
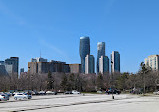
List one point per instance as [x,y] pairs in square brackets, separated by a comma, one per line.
[106,64]
[84,50]
[100,52]
[115,61]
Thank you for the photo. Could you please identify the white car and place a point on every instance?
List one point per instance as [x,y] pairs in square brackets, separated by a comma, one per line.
[21,96]
[156,93]
[3,97]
[99,92]
[51,93]
[75,92]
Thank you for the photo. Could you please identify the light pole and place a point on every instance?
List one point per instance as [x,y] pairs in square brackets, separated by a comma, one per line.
[112,80]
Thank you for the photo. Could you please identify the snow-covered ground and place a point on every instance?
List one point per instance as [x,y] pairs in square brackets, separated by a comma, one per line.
[86,103]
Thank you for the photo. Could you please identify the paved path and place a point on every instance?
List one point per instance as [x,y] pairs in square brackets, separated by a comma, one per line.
[87,103]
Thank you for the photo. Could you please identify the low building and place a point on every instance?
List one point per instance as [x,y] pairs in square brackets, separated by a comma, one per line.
[44,67]
[75,68]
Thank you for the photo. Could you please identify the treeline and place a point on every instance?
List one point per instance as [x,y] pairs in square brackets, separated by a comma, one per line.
[145,79]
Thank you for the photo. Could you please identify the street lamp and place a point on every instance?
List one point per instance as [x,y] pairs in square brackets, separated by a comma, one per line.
[112,80]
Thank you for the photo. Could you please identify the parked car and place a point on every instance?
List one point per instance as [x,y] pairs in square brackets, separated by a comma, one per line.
[7,93]
[4,97]
[114,91]
[156,92]
[29,95]
[136,91]
[51,93]
[34,93]
[99,92]
[75,92]
[15,93]
[21,96]
[42,93]
[68,92]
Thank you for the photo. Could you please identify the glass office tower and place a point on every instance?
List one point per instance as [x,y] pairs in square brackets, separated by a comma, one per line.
[84,50]
[115,62]
[100,52]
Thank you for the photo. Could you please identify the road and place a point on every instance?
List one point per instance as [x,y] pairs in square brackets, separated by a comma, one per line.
[86,103]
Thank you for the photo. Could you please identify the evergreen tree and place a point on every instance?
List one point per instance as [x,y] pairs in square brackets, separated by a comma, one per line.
[50,81]
[64,83]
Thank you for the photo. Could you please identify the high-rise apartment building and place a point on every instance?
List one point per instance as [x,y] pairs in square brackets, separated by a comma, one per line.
[152,62]
[84,50]
[115,62]
[89,64]
[100,52]
[103,64]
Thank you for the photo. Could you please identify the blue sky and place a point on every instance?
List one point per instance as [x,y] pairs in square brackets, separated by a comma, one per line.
[55,27]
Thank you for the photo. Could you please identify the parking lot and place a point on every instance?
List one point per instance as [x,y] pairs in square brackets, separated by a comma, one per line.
[83,103]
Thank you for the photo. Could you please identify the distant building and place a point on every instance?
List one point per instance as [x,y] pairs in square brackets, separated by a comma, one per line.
[89,64]
[115,62]
[21,70]
[2,62]
[38,60]
[13,61]
[10,66]
[45,67]
[152,62]
[84,50]
[103,64]
[75,68]
[3,70]
[100,52]
[10,70]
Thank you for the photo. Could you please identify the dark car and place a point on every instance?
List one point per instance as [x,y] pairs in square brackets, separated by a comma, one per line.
[68,92]
[114,91]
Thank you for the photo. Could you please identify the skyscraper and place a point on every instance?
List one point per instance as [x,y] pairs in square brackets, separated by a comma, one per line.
[100,52]
[115,62]
[103,64]
[89,64]
[84,50]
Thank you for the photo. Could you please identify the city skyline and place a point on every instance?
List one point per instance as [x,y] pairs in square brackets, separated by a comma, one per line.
[54,28]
